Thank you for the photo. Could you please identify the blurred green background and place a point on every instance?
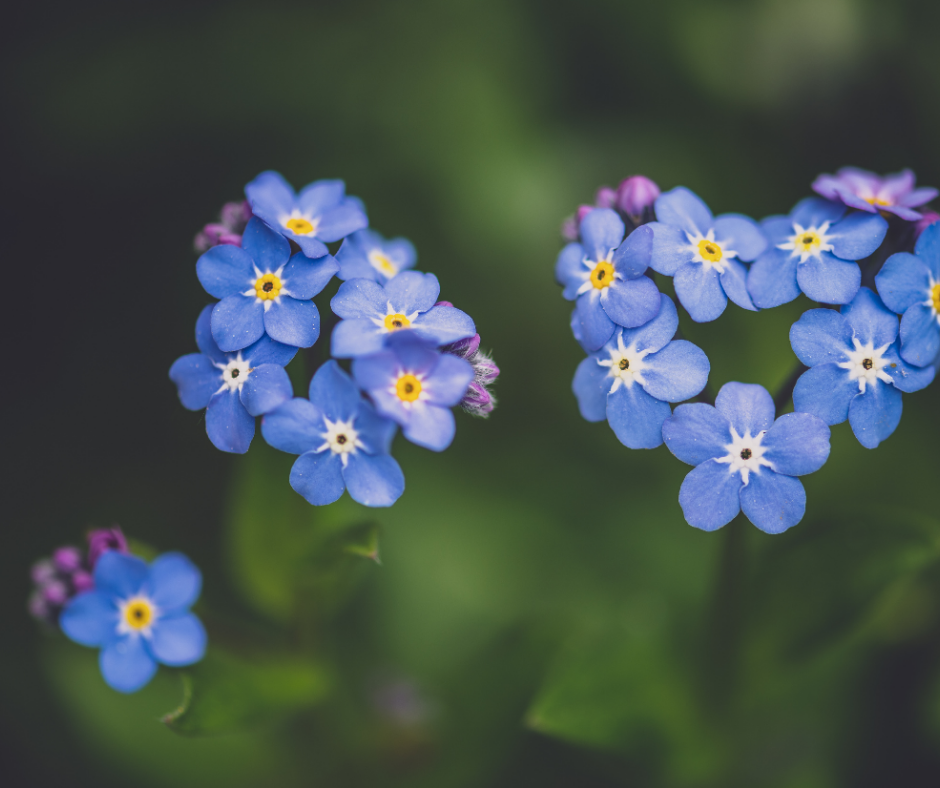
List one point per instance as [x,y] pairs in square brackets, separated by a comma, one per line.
[542,614]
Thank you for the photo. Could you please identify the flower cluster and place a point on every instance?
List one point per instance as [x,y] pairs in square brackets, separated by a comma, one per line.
[412,358]
[860,357]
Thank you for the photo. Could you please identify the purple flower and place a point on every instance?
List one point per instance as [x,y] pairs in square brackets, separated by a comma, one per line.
[228,230]
[869,192]
[101,539]
[636,196]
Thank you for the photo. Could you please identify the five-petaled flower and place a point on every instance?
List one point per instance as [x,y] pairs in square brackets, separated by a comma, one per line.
[855,370]
[745,461]
[873,193]
[139,616]
[320,214]
[342,442]
[814,250]
[703,253]
[232,387]
[367,255]
[263,290]
[635,376]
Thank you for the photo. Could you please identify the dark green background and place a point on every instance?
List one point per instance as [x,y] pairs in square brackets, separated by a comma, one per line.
[472,128]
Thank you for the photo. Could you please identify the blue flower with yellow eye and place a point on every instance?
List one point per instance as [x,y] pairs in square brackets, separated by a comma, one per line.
[320,214]
[367,255]
[138,615]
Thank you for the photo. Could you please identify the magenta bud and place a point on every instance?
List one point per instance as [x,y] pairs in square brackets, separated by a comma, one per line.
[569,229]
[583,210]
[102,539]
[67,559]
[464,348]
[636,194]
[55,592]
[235,215]
[443,303]
[43,572]
[924,222]
[82,581]
[605,197]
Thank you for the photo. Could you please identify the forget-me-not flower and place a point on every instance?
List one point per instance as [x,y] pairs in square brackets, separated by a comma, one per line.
[232,387]
[909,284]
[139,616]
[745,460]
[372,312]
[855,370]
[873,193]
[320,214]
[263,290]
[412,383]
[342,442]
[367,255]
[703,254]
[604,273]
[635,376]
[815,250]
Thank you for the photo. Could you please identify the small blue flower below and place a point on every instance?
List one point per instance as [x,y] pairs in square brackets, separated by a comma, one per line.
[367,255]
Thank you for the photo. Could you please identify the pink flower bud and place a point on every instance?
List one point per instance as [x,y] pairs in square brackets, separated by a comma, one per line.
[67,559]
[636,194]
[605,197]
[924,222]
[102,539]
[82,581]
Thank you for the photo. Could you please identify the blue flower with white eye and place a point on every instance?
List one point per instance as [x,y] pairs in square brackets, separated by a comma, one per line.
[635,376]
[232,387]
[263,290]
[909,284]
[320,214]
[367,255]
[703,253]
[342,442]
[410,382]
[372,312]
[744,460]
[605,274]
[139,616]
[855,370]
[814,250]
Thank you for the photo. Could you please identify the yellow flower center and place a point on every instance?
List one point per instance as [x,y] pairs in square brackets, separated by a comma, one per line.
[935,297]
[877,201]
[603,275]
[299,226]
[408,388]
[268,287]
[382,264]
[396,321]
[808,241]
[710,251]
[138,614]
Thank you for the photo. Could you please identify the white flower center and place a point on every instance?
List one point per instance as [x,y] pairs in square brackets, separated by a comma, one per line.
[137,614]
[598,274]
[933,297]
[267,287]
[709,252]
[625,364]
[745,454]
[866,365]
[234,373]
[808,242]
[341,438]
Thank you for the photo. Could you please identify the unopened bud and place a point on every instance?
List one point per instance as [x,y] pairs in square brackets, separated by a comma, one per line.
[636,195]
[924,222]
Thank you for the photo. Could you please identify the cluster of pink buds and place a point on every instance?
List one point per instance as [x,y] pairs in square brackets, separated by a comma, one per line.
[233,218]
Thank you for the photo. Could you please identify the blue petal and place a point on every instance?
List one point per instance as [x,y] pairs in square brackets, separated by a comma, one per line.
[829,280]
[920,336]
[90,618]
[685,210]
[821,336]
[632,257]
[813,211]
[928,248]
[267,351]
[447,384]
[748,407]
[734,283]
[697,432]
[590,386]
[374,480]
[772,501]
[312,247]
[699,290]
[430,426]
[126,665]
[710,496]
[320,196]
[295,427]
[631,302]
[304,278]
[268,250]
[636,418]
[677,372]
[771,280]
[352,257]
[360,298]
[825,391]
[293,322]
[375,431]
[412,291]
[120,575]
[271,193]
[875,414]
[570,271]
[267,387]
[174,582]
[318,477]
[401,252]
[225,270]
[857,235]
[594,324]
[655,334]
[903,281]
[237,322]
[334,392]
[671,248]
[229,426]
[906,377]
[797,444]
[196,379]
[339,222]
[870,319]
[414,354]
[353,338]
[375,372]
[204,340]
[601,232]
[777,229]
[740,234]
[178,640]
[442,325]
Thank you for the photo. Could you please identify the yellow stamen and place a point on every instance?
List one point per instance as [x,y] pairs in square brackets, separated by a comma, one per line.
[138,614]
[808,240]
[299,226]
[935,297]
[877,201]
[710,251]
[382,264]
[268,287]
[603,275]
[396,321]
[408,388]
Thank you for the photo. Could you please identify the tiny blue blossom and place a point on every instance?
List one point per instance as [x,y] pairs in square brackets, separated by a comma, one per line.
[704,254]
[342,442]
[909,284]
[367,255]
[814,250]
[139,616]
[263,290]
[635,376]
[855,370]
[320,214]
[744,460]
[232,387]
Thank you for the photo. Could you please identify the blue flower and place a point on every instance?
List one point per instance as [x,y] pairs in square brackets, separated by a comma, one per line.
[139,616]
[367,255]
[372,312]
[416,386]
[744,460]
[855,370]
[631,380]
[233,387]
[909,284]
[263,290]
[320,214]
[703,253]
[342,442]
[605,274]
[814,249]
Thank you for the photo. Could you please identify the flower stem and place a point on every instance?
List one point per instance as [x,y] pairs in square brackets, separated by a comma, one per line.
[785,392]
